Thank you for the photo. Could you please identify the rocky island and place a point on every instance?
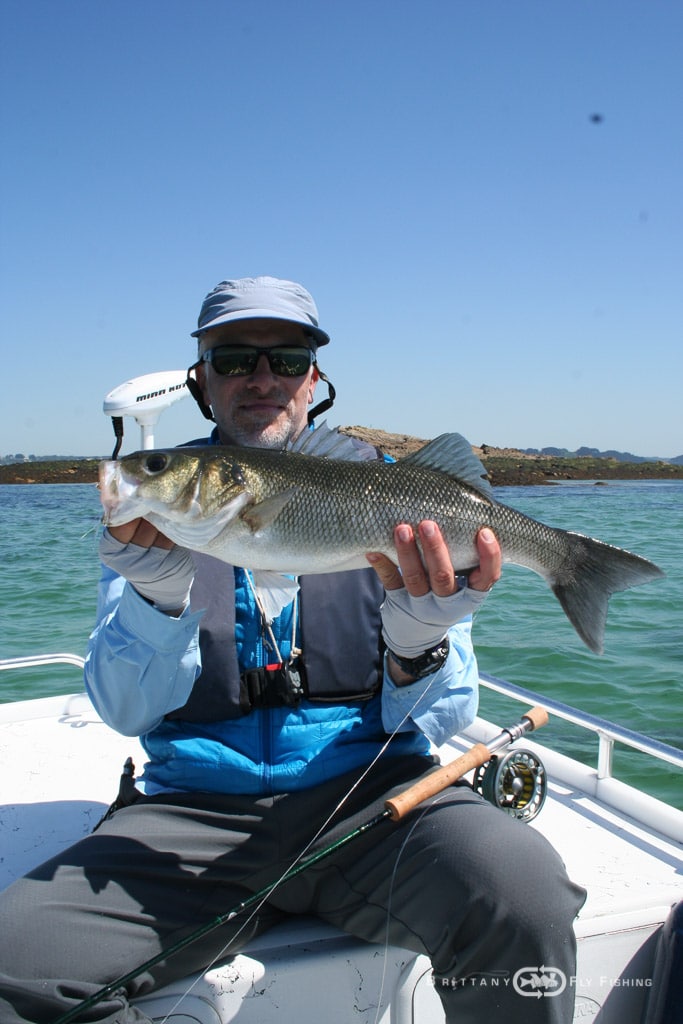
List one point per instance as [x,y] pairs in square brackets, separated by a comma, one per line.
[505,466]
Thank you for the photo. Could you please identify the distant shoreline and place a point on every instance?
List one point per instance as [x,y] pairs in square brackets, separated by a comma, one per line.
[505,466]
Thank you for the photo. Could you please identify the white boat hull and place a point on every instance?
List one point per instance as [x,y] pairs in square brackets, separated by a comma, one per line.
[60,766]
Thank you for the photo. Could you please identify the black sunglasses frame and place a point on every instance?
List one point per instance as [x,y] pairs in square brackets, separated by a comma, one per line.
[277,357]
[195,390]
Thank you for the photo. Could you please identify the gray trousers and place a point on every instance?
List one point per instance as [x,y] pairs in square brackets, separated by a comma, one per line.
[475,890]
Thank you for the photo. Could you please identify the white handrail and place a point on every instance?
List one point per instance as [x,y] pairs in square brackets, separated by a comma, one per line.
[34,660]
[607,732]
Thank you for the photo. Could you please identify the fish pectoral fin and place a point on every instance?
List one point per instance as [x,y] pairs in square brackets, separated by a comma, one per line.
[275,591]
[262,513]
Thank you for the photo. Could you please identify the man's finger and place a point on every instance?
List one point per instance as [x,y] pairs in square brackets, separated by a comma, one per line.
[437,559]
[490,565]
[125,532]
[413,571]
[389,575]
[142,533]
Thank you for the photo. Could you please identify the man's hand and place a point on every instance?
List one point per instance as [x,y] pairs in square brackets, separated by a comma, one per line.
[158,569]
[436,573]
[423,599]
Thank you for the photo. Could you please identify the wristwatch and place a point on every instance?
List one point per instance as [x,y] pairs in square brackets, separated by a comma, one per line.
[430,661]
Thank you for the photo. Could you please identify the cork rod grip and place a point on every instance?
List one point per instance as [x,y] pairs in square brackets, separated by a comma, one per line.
[431,784]
[399,805]
[536,716]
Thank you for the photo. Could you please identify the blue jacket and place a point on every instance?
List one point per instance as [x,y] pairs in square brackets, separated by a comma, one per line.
[141,664]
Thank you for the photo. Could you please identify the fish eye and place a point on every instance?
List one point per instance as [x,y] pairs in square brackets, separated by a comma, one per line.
[156,463]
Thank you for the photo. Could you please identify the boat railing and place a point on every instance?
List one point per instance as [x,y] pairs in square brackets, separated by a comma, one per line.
[36,660]
[608,733]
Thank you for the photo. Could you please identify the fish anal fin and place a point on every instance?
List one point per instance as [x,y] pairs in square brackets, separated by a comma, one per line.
[261,514]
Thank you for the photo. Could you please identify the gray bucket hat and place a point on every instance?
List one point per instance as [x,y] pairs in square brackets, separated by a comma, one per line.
[252,297]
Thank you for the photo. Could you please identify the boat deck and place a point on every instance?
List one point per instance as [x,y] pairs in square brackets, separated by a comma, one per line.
[60,767]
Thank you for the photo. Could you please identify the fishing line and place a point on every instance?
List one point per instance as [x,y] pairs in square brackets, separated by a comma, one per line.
[300,856]
[390,898]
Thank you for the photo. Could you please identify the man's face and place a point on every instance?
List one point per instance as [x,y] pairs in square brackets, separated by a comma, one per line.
[261,410]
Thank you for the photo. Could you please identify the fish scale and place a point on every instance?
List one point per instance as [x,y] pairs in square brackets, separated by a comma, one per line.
[342,508]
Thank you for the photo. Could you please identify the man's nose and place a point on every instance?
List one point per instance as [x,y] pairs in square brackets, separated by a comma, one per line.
[262,371]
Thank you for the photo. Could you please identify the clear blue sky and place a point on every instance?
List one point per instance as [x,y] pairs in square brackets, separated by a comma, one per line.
[487,256]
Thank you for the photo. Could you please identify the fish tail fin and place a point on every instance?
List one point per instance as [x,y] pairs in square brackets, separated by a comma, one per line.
[593,572]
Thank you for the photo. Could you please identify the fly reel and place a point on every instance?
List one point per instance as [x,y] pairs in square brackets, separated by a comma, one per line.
[515,781]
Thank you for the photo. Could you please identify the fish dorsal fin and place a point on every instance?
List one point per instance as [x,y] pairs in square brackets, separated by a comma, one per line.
[332,444]
[452,454]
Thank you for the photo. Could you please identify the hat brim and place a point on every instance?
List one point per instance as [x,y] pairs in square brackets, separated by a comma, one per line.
[321,338]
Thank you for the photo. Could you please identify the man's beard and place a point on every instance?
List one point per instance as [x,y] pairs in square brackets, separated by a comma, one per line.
[276,434]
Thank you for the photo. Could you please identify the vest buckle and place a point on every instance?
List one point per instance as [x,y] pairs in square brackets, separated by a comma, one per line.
[273,686]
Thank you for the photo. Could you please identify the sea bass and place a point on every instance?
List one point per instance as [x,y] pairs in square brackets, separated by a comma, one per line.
[321,508]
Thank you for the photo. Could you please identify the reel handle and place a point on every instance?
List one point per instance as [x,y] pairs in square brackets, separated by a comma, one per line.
[398,806]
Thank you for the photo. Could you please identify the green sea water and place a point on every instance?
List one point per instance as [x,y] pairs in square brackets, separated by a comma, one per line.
[48,581]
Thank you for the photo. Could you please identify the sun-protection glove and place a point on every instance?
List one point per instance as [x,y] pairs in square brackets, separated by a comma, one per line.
[160,575]
[412,625]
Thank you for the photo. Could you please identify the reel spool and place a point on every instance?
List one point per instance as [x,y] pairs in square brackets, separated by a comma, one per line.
[516,782]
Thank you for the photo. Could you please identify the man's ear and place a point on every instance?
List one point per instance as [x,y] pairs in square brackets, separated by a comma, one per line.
[315,377]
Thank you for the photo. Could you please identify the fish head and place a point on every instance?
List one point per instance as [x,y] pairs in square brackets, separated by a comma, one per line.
[178,489]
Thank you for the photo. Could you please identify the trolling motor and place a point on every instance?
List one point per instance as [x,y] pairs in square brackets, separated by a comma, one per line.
[144,398]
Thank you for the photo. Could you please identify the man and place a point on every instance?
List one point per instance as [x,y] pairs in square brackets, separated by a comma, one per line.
[270,736]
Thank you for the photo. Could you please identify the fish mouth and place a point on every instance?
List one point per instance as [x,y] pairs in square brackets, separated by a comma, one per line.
[117,495]
[107,486]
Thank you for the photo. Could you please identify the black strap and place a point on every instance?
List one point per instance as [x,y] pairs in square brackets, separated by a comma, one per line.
[328,402]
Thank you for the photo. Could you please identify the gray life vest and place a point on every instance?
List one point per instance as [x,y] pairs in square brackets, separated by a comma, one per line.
[341,644]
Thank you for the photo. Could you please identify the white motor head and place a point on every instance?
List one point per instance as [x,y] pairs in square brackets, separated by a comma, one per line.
[145,398]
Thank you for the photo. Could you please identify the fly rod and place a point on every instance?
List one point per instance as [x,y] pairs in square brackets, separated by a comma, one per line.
[395,809]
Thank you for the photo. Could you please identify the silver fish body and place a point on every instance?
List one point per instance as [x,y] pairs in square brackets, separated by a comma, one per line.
[297,513]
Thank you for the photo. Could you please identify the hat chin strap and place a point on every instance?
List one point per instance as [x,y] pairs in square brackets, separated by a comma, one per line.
[327,403]
[196,392]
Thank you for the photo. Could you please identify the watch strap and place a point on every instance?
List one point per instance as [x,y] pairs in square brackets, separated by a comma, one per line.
[429,661]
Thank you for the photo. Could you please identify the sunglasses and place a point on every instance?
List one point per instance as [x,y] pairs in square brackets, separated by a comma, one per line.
[241,360]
